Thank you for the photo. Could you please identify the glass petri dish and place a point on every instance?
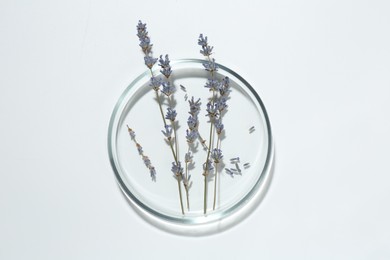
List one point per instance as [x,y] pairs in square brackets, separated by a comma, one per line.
[247,135]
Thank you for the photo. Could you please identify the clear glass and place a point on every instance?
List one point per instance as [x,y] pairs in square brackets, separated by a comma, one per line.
[247,136]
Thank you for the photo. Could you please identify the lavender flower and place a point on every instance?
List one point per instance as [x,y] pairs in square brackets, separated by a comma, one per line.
[145,158]
[225,86]
[139,148]
[145,44]
[168,89]
[216,155]
[212,110]
[166,67]
[152,171]
[155,83]
[220,104]
[206,49]
[219,126]
[229,172]
[177,169]
[192,122]
[188,157]
[210,66]
[213,85]
[194,106]
[202,41]
[191,135]
[168,132]
[141,29]
[131,133]
[235,160]
[150,61]
[171,114]
[208,167]
[144,39]
[146,161]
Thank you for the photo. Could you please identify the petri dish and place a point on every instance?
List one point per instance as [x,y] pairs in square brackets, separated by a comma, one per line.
[241,183]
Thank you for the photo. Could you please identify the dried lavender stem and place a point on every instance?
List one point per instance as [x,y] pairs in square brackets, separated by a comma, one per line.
[216,174]
[208,153]
[186,185]
[174,129]
[181,199]
[205,173]
[170,143]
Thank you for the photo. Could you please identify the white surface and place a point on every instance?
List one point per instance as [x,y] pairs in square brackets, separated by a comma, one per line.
[322,69]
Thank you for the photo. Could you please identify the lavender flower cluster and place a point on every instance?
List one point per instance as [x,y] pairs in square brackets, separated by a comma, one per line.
[145,158]
[215,109]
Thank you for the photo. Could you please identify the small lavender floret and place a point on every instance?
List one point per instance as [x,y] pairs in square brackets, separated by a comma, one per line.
[225,86]
[139,148]
[192,122]
[206,50]
[168,132]
[216,155]
[229,172]
[234,160]
[165,65]
[155,83]
[220,104]
[212,110]
[194,106]
[168,89]
[188,157]
[212,85]
[208,166]
[210,66]
[219,126]
[152,173]
[191,135]
[171,114]
[202,41]
[150,61]
[145,44]
[146,161]
[141,27]
[131,133]
[141,30]
[238,168]
[177,169]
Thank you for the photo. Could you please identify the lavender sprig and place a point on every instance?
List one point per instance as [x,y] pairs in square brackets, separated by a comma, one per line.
[145,158]
[191,135]
[167,89]
[212,111]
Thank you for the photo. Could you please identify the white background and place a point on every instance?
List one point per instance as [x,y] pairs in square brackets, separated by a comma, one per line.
[322,69]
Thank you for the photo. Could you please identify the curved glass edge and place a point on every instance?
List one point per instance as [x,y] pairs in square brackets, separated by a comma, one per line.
[182,221]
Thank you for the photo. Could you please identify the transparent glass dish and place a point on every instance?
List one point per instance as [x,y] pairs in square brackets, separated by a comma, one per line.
[247,136]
